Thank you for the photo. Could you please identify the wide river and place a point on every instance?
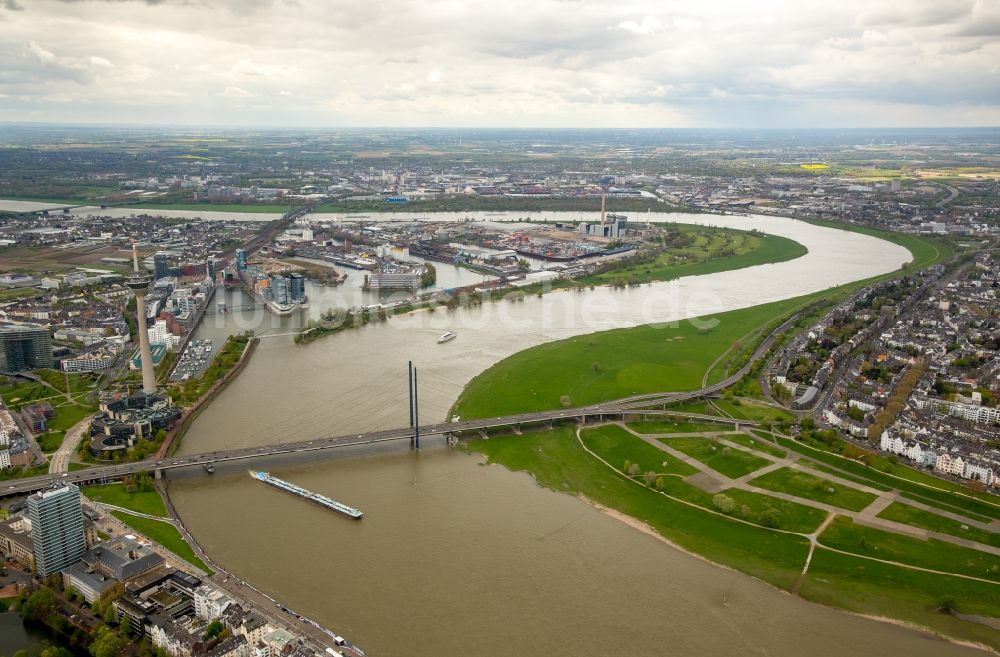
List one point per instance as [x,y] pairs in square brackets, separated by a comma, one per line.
[455,559]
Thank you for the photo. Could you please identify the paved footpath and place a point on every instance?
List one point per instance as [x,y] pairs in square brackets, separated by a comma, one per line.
[713,482]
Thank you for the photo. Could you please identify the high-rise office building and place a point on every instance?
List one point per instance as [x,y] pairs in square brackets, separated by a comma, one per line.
[279,289]
[56,528]
[24,348]
[241,261]
[161,267]
[296,287]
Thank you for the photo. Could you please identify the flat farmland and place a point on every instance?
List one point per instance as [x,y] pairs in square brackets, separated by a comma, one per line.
[39,259]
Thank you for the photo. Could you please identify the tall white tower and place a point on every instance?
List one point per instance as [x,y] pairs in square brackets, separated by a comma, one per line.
[139,282]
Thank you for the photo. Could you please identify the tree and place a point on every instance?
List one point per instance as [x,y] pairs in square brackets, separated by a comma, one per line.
[429,275]
[649,477]
[627,466]
[213,630]
[565,401]
[723,503]
[634,469]
[769,517]
[38,605]
[106,642]
[55,651]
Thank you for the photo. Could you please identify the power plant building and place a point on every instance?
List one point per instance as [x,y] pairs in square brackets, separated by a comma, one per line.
[24,348]
[616,225]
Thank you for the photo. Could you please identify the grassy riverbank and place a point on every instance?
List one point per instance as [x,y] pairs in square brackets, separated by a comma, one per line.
[150,503]
[163,533]
[709,250]
[612,364]
[143,501]
[557,460]
[764,536]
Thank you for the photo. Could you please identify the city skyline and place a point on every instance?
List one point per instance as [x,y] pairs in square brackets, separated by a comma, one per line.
[548,64]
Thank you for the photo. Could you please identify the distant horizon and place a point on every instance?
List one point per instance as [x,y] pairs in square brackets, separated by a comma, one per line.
[222,126]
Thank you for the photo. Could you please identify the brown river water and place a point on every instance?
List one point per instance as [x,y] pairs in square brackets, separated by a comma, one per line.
[458,559]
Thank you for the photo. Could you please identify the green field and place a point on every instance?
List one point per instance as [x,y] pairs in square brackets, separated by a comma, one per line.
[756,444]
[960,502]
[163,533]
[733,463]
[944,507]
[790,516]
[651,427]
[148,502]
[844,534]
[883,590]
[615,445]
[822,467]
[747,410]
[49,442]
[701,257]
[911,515]
[610,364]
[811,487]
[559,462]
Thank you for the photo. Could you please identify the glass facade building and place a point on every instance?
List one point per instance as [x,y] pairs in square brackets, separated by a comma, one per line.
[56,528]
[24,348]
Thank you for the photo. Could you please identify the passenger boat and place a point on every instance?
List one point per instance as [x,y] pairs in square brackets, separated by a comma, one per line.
[447,336]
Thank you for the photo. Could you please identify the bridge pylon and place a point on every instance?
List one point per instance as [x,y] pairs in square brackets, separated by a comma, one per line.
[411,380]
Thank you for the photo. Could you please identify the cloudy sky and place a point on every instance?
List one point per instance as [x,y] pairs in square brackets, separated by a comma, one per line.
[519,63]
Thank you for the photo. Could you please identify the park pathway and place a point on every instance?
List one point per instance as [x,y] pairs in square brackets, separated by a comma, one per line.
[714,482]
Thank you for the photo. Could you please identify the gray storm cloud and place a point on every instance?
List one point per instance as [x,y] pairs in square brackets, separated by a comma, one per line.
[516,63]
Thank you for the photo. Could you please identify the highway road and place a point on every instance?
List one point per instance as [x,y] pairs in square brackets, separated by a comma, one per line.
[60,460]
[115,472]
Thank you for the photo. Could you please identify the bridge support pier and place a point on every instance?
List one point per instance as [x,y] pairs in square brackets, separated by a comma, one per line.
[158,474]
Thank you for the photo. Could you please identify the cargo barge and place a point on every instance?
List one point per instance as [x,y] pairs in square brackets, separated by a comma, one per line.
[322,500]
